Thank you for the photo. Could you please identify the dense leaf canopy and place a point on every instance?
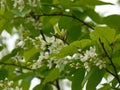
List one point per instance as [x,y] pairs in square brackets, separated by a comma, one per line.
[57,40]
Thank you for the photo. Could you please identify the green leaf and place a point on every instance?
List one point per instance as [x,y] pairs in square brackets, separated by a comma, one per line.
[112,21]
[31,54]
[68,50]
[65,3]
[89,74]
[38,87]
[57,30]
[94,79]
[3,74]
[12,54]
[35,56]
[18,13]
[48,24]
[94,16]
[95,2]
[77,79]
[53,75]
[116,57]
[105,87]
[45,5]
[72,28]
[43,87]
[42,71]
[82,44]
[103,33]
[114,83]
[2,23]
[89,2]
[26,82]
[24,76]
[1,48]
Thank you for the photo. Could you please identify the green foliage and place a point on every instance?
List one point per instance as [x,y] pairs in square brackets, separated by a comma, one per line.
[3,74]
[43,87]
[52,76]
[94,79]
[56,41]
[77,79]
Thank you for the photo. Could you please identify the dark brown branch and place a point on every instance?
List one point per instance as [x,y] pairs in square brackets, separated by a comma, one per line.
[57,85]
[71,16]
[43,36]
[110,72]
[65,15]
[114,67]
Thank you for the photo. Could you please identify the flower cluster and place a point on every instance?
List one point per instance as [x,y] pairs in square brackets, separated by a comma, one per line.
[32,3]
[90,58]
[2,4]
[49,47]
[38,63]
[9,85]
[19,4]
[52,44]
[75,65]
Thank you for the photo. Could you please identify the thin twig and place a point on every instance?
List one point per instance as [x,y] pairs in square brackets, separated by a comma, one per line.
[12,64]
[57,84]
[65,15]
[43,36]
[71,16]
[110,72]
[114,67]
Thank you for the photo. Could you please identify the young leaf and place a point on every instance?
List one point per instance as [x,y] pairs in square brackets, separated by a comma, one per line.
[68,50]
[104,33]
[82,44]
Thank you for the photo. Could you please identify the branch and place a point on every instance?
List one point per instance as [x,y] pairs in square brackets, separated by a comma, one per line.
[65,15]
[43,36]
[114,67]
[110,72]
[71,16]
[12,64]
[57,84]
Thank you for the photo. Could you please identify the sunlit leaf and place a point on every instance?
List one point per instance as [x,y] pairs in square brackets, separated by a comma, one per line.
[103,33]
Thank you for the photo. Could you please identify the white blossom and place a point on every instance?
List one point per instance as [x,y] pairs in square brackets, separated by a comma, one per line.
[87,67]
[7,84]
[101,64]
[10,83]
[18,88]
[89,58]
[32,3]
[38,62]
[89,54]
[2,4]
[84,58]
[21,44]
[19,4]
